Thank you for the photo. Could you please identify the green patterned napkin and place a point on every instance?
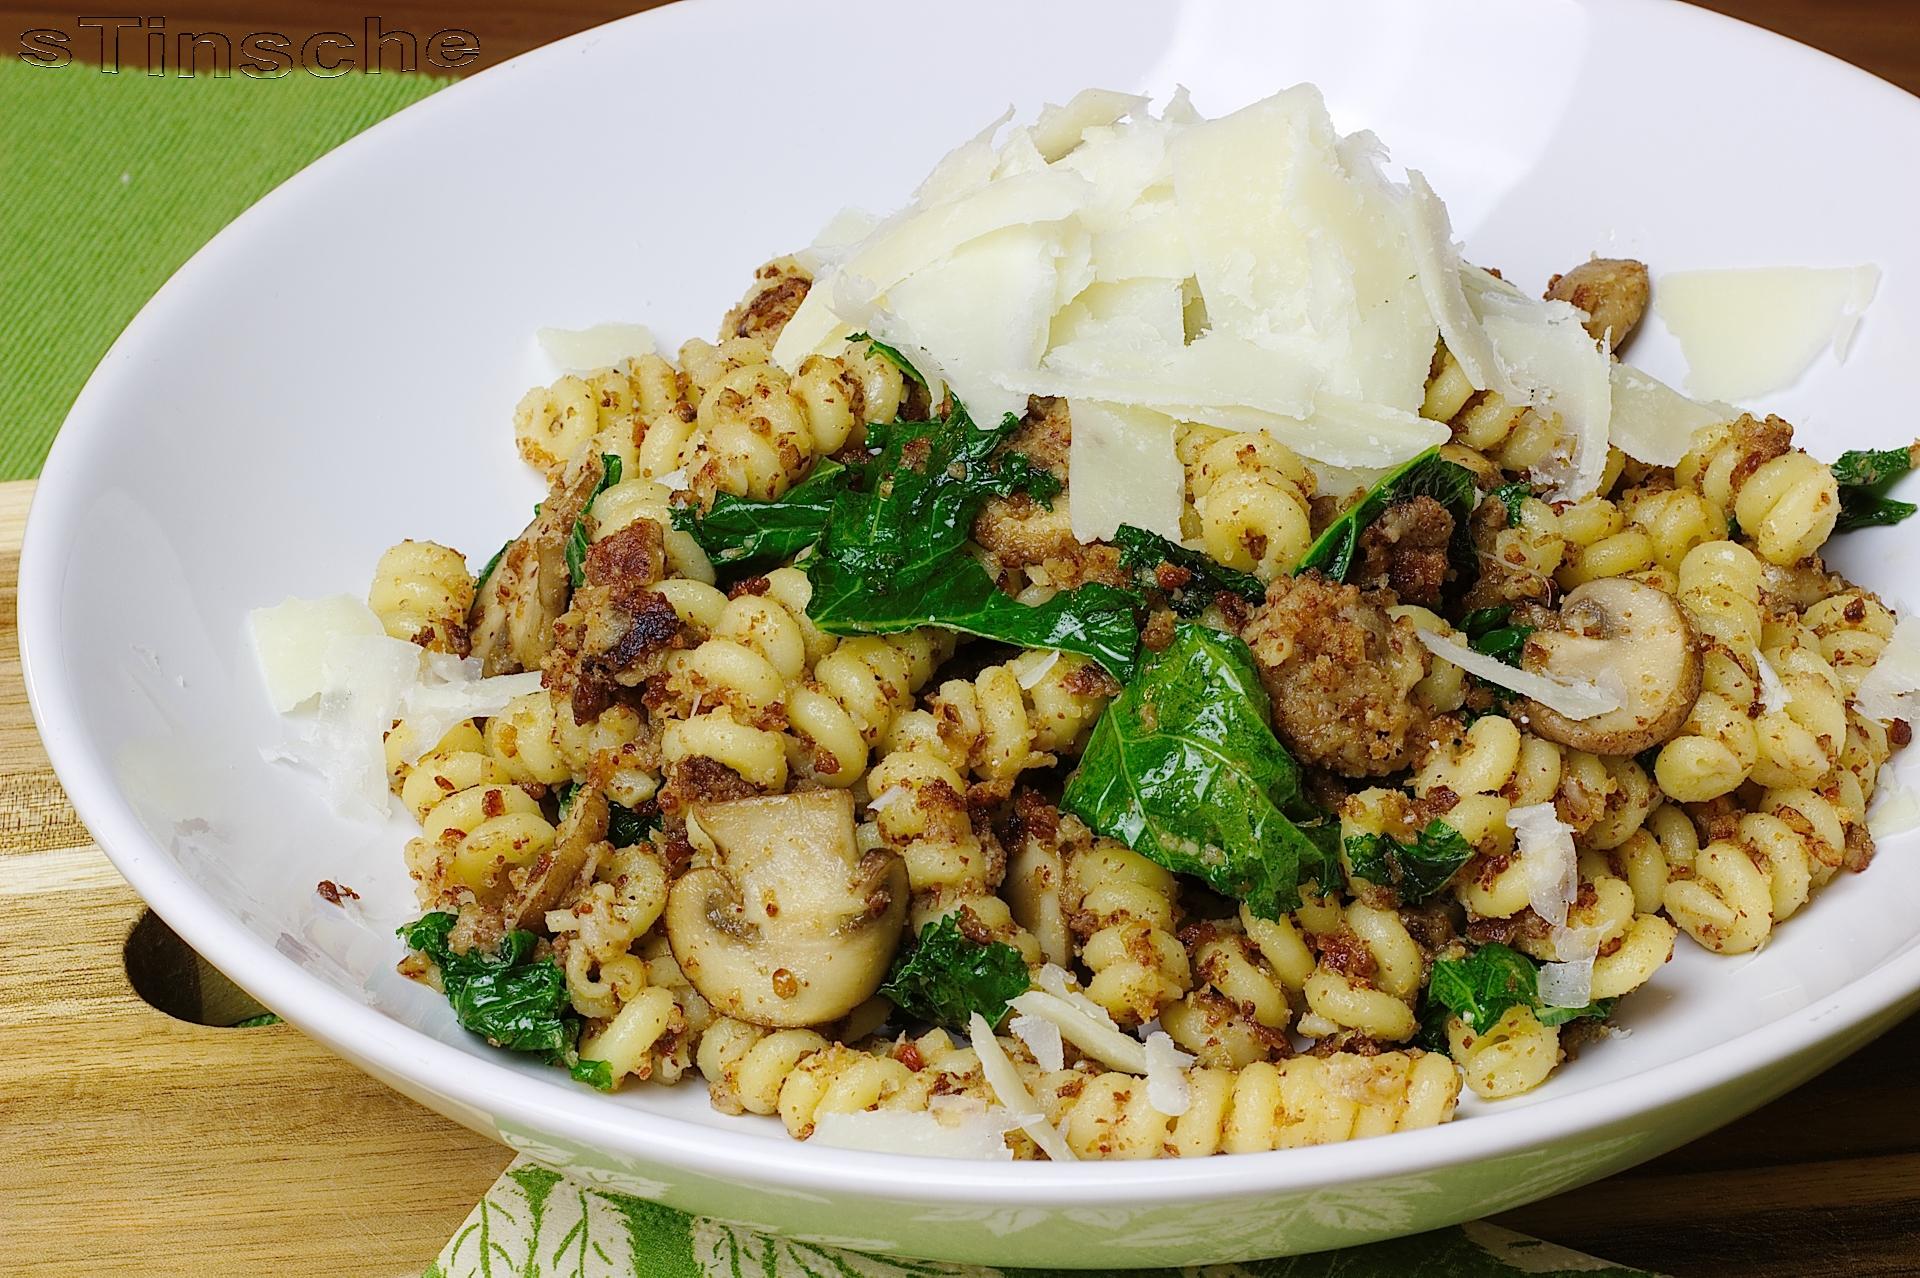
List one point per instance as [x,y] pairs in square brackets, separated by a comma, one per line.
[535,1223]
[112,181]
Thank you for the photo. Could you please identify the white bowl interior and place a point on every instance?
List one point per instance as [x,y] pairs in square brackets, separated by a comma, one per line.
[338,370]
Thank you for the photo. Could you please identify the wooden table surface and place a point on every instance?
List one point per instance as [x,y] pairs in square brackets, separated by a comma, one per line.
[132,1141]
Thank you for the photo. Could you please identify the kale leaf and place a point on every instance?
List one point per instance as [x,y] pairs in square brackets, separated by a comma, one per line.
[891,354]
[508,997]
[1480,987]
[1414,871]
[893,553]
[1511,496]
[1864,476]
[1143,553]
[625,826]
[945,977]
[577,540]
[1487,631]
[742,536]
[1336,552]
[596,1074]
[1184,769]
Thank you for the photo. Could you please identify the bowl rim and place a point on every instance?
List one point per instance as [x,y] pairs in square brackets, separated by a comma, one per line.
[484,1085]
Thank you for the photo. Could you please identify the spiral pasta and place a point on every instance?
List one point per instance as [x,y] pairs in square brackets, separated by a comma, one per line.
[1600,543]
[1253,497]
[1786,502]
[1307,1100]
[1369,972]
[856,693]
[422,593]
[1124,908]
[1717,747]
[1512,1056]
[1023,714]
[476,825]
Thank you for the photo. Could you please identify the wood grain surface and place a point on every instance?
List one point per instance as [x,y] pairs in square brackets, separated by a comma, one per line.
[135,1142]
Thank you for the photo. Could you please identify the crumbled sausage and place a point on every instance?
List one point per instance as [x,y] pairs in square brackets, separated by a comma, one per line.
[1613,291]
[1406,549]
[1341,673]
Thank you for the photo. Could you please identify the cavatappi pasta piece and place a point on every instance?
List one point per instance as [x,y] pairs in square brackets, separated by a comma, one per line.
[1716,748]
[1444,690]
[401,742]
[1801,740]
[476,824]
[1786,502]
[1517,438]
[1124,909]
[1726,904]
[1601,543]
[422,593]
[1307,1100]
[1448,388]
[1488,769]
[1675,520]
[1023,714]
[919,810]
[1605,798]
[598,929]
[1627,947]
[1519,550]
[1253,497]
[1852,628]
[619,506]
[1512,1056]
[854,696]
[1239,1011]
[1369,972]
[541,743]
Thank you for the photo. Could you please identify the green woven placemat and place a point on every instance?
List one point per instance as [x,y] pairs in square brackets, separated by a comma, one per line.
[108,182]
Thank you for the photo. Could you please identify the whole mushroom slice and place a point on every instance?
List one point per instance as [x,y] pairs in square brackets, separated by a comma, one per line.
[790,925]
[1624,633]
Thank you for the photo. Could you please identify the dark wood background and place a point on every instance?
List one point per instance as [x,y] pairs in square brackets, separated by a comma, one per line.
[1823,1182]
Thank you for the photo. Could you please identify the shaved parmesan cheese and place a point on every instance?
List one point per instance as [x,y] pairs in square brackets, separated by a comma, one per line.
[1747,333]
[1167,1089]
[1042,1038]
[1298,246]
[429,711]
[363,679]
[1891,690]
[1896,810]
[1545,350]
[1651,422]
[1773,693]
[1548,859]
[926,1134]
[1581,700]
[1124,472]
[1134,369]
[290,643]
[1011,1092]
[1566,984]
[1057,981]
[813,329]
[1060,128]
[1029,674]
[921,237]
[966,168]
[1431,236]
[583,350]
[1105,1043]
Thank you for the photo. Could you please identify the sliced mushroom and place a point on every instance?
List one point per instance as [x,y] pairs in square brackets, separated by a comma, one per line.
[791,925]
[515,608]
[1624,631]
[578,843]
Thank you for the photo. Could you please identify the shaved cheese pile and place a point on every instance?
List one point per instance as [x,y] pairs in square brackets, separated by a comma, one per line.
[1652,422]
[334,655]
[1259,271]
[1574,700]
[1004,1079]
[1042,1038]
[950,1131]
[290,641]
[582,350]
[1895,810]
[1567,984]
[1773,693]
[1752,332]
[1104,1042]
[1548,860]
[1891,690]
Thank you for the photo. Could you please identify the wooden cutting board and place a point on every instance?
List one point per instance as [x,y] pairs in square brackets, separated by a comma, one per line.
[135,1141]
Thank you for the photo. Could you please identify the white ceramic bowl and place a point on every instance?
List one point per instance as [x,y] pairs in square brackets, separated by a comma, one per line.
[337,369]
